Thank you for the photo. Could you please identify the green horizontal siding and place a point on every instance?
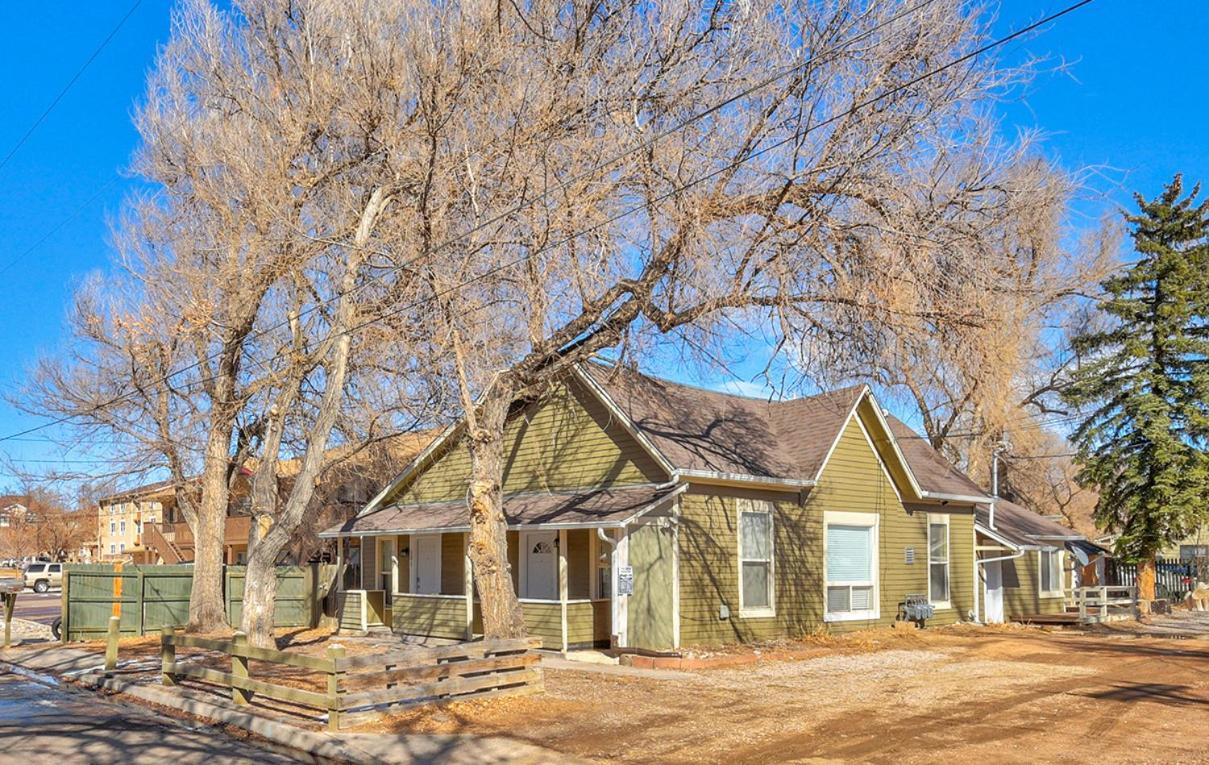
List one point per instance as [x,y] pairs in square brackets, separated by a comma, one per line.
[567,441]
[853,481]
[1021,589]
[430,616]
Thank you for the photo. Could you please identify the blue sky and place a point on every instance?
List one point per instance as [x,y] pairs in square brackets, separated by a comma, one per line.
[1135,100]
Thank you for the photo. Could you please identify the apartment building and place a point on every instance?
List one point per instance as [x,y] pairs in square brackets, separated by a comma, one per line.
[122,520]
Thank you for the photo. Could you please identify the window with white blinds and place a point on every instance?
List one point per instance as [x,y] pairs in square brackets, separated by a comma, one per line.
[850,540]
[755,558]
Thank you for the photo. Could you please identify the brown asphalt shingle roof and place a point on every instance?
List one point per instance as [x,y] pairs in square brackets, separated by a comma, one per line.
[604,506]
[933,472]
[699,429]
[1022,526]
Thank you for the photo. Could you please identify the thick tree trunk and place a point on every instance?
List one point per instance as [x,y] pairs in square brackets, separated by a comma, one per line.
[206,609]
[260,584]
[260,590]
[502,615]
[1146,579]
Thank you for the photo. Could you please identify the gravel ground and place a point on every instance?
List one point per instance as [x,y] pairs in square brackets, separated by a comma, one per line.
[995,694]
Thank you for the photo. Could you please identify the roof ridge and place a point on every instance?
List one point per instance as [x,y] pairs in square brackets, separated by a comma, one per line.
[725,394]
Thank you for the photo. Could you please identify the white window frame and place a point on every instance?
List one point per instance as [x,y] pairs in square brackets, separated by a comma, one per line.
[756,507]
[873,521]
[1041,591]
[113,527]
[940,519]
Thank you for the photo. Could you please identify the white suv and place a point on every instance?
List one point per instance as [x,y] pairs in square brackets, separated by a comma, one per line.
[43,576]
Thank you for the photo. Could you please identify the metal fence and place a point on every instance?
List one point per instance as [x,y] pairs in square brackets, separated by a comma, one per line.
[1173,578]
[147,598]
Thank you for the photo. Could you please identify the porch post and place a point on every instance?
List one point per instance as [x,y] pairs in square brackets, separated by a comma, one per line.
[468,583]
[621,558]
[562,583]
[339,586]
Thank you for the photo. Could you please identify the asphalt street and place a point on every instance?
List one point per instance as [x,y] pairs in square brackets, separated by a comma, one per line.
[63,726]
[38,608]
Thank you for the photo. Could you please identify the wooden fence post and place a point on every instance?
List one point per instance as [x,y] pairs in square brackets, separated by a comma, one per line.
[111,643]
[239,668]
[141,604]
[64,610]
[10,603]
[167,656]
[334,654]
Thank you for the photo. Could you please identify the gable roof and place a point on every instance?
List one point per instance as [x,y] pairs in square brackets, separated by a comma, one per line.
[709,431]
[934,473]
[704,434]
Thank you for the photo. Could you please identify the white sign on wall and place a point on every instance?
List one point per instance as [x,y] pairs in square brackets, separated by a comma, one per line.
[625,580]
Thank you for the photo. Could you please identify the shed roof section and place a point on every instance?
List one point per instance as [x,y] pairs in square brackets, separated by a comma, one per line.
[605,507]
[1021,526]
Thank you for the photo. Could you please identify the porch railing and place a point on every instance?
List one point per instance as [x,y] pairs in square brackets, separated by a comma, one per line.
[1099,604]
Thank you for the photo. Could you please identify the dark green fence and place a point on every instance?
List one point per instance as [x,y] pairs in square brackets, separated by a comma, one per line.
[296,601]
[150,597]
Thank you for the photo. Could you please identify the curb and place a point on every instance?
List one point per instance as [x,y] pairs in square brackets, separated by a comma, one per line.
[687,663]
[315,746]
[310,746]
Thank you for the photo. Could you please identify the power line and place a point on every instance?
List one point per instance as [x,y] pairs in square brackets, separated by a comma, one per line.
[629,211]
[58,226]
[108,38]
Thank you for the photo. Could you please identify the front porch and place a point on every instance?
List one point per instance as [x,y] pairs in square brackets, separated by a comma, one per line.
[422,585]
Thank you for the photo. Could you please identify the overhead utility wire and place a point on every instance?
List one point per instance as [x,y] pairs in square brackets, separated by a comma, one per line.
[752,155]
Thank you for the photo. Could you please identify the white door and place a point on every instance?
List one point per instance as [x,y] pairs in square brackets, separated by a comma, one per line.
[426,557]
[994,592]
[541,565]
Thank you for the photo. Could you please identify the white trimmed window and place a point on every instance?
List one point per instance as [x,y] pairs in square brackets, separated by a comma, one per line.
[1050,568]
[850,550]
[938,560]
[755,558]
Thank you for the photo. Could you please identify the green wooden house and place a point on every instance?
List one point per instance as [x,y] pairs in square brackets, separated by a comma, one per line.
[653,515]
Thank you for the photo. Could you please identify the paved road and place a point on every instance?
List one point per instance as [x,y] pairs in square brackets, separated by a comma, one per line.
[43,608]
[63,726]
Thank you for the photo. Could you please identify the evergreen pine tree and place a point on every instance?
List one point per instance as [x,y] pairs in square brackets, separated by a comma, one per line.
[1143,384]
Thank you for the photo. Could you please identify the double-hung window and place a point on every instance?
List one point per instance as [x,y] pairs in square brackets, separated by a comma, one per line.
[1050,579]
[850,549]
[755,558]
[938,560]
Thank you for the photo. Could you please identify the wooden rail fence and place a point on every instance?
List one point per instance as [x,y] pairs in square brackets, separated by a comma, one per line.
[1094,603]
[360,687]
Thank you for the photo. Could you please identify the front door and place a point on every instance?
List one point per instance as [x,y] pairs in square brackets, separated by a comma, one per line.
[426,552]
[541,565]
[994,592]
[389,568]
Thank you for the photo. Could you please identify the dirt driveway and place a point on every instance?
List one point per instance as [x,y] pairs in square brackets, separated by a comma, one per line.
[970,695]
